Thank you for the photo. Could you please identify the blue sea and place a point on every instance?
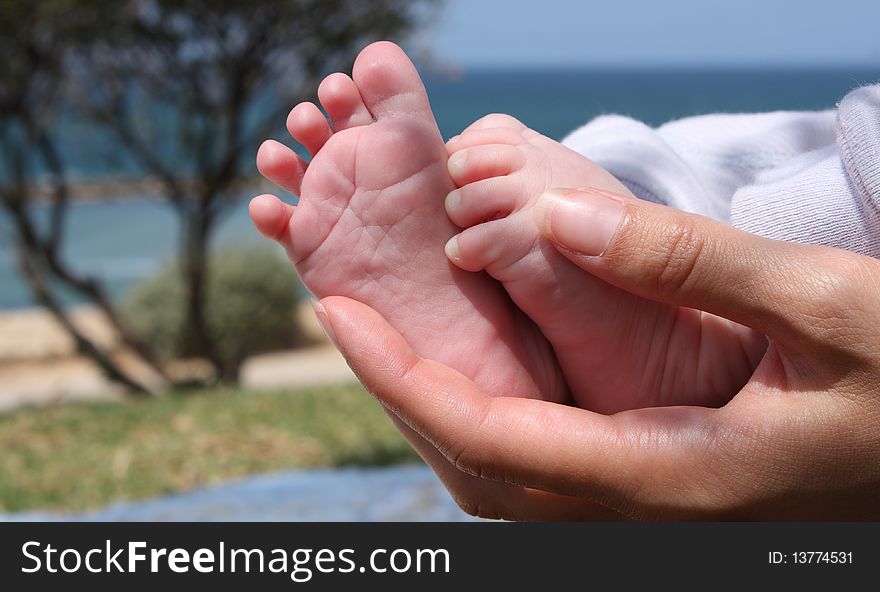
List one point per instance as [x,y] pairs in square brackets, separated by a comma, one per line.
[125,240]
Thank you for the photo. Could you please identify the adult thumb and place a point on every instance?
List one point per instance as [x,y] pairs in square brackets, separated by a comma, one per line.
[670,256]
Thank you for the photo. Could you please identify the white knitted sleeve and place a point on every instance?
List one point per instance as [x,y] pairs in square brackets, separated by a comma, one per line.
[810,177]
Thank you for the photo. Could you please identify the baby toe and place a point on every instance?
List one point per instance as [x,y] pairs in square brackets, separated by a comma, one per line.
[494,246]
[281,165]
[309,127]
[271,216]
[481,162]
[341,98]
[488,199]
[479,137]
[496,120]
[389,82]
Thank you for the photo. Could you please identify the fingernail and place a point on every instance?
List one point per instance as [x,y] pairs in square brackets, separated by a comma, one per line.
[456,162]
[453,200]
[451,248]
[453,138]
[582,220]
[324,321]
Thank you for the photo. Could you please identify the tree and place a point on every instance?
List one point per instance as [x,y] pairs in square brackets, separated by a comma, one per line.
[31,85]
[191,87]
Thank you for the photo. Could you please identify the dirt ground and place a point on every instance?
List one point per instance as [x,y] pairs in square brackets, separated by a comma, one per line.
[39,365]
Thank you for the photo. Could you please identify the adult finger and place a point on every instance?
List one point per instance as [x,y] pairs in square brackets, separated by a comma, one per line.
[376,365]
[780,289]
[499,501]
[612,460]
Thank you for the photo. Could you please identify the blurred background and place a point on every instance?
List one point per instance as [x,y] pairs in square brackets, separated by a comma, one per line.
[154,347]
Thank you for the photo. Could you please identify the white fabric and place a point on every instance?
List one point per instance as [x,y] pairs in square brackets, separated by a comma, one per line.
[810,177]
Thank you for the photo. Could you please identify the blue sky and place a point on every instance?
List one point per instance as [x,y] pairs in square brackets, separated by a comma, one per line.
[667,32]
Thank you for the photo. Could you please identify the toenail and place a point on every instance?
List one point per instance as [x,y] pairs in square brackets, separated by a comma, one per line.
[456,162]
[451,249]
[453,200]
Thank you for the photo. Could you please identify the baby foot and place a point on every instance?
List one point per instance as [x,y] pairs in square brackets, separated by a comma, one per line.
[617,351]
[370,225]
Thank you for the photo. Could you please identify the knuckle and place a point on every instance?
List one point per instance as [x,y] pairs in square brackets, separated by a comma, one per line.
[461,456]
[844,275]
[840,288]
[465,460]
[461,460]
[678,258]
[467,456]
[839,303]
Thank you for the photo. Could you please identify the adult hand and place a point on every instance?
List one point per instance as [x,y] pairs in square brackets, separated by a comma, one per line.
[800,441]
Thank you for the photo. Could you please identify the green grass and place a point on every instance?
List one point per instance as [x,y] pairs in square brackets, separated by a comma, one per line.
[78,456]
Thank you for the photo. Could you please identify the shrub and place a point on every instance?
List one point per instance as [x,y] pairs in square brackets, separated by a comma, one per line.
[252,293]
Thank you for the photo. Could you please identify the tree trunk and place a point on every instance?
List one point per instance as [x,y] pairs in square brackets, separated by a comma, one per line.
[39,265]
[88,287]
[86,347]
[94,293]
[195,270]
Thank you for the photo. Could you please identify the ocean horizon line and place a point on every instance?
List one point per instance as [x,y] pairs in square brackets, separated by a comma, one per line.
[636,67]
